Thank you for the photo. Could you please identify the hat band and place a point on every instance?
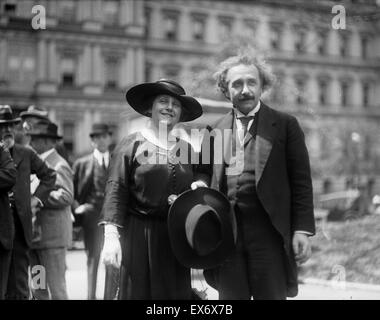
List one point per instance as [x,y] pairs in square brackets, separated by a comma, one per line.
[6,116]
[203,229]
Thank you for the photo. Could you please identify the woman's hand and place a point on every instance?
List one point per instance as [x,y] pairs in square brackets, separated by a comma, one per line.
[197,184]
[111,253]
[172,198]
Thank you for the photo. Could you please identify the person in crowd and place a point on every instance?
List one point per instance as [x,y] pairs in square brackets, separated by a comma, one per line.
[146,175]
[29,118]
[90,174]
[54,219]
[268,183]
[8,175]
[23,205]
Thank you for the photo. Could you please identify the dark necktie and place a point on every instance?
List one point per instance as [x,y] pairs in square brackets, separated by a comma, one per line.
[245,122]
[104,164]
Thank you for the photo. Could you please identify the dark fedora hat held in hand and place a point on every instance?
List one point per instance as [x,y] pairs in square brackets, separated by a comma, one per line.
[99,128]
[6,115]
[45,129]
[202,228]
[140,97]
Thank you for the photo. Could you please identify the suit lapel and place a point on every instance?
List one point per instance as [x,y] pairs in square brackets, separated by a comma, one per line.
[266,133]
[17,155]
[219,166]
[88,171]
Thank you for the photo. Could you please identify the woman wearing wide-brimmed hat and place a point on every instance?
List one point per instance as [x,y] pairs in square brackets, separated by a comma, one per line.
[146,174]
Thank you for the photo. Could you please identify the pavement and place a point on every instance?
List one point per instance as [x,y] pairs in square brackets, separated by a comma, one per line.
[310,289]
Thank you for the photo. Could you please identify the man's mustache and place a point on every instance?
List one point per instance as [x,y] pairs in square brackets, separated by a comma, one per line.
[7,135]
[243,98]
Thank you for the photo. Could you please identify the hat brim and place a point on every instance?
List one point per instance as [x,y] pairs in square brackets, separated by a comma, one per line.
[139,96]
[178,212]
[16,120]
[98,133]
[29,114]
[44,135]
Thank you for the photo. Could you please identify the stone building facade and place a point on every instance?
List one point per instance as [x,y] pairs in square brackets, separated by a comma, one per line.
[92,51]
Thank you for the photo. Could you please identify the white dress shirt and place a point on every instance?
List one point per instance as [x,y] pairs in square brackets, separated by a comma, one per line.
[239,126]
[99,156]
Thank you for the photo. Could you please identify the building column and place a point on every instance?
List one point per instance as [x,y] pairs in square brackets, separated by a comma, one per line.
[130,67]
[52,8]
[84,10]
[126,12]
[212,30]
[139,12]
[356,94]
[313,91]
[3,58]
[156,22]
[97,65]
[53,63]
[42,60]
[287,41]
[124,71]
[184,26]
[262,34]
[333,42]
[97,10]
[139,60]
[335,93]
[87,70]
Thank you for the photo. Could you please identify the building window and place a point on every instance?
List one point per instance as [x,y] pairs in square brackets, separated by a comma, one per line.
[300,84]
[322,92]
[171,27]
[251,27]
[148,17]
[171,71]
[274,37]
[10,9]
[69,136]
[199,28]
[21,64]
[322,42]
[225,27]
[67,11]
[111,12]
[364,47]
[344,94]
[343,45]
[366,94]
[300,42]
[68,68]
[112,65]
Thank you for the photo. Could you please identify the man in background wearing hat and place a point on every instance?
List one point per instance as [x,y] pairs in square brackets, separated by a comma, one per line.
[29,118]
[23,206]
[7,180]
[268,184]
[54,218]
[90,175]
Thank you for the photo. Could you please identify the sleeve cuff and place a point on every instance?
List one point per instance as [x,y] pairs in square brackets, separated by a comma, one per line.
[303,232]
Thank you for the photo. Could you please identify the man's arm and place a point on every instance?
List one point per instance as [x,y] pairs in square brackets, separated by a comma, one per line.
[63,195]
[298,165]
[8,170]
[46,175]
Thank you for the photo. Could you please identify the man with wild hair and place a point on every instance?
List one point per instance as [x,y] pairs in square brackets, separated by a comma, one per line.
[271,194]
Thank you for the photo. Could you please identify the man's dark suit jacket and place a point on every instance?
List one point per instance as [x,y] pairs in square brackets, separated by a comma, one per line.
[8,175]
[28,162]
[283,179]
[83,177]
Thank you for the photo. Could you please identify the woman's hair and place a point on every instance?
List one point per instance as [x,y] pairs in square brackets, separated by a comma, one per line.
[247,57]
